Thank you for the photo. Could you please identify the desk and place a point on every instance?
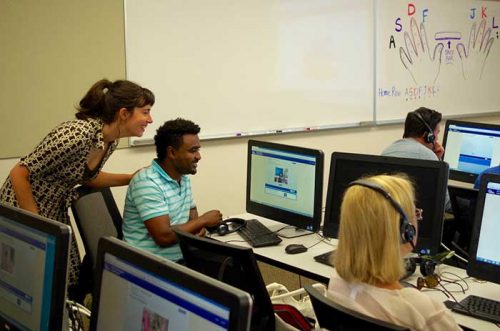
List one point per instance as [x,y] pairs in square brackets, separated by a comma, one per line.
[457,183]
[304,265]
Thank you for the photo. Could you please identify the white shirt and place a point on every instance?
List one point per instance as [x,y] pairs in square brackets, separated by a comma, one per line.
[406,307]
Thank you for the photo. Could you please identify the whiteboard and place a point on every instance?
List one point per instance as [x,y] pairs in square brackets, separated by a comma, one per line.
[452,75]
[249,67]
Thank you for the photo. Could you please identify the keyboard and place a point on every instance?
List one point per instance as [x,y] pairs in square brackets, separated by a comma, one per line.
[479,307]
[324,258]
[258,235]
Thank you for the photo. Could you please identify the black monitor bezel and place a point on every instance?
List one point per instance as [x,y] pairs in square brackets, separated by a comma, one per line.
[476,268]
[330,229]
[176,273]
[458,175]
[300,221]
[62,234]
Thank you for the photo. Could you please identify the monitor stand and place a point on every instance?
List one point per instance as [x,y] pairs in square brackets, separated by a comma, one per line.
[288,231]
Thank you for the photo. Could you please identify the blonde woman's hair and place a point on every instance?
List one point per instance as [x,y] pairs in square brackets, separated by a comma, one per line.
[369,235]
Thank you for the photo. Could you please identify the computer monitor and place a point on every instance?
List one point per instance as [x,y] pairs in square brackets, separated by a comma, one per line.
[34,253]
[285,183]
[136,290]
[233,265]
[484,254]
[430,179]
[470,148]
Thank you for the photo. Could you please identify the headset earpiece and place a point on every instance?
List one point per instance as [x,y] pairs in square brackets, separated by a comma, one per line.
[429,136]
[406,229]
[224,229]
[427,266]
[410,267]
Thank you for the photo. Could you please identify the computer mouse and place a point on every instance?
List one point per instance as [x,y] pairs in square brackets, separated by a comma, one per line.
[295,249]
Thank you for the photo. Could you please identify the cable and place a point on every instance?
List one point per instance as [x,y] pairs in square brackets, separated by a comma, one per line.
[435,289]
[320,241]
[456,281]
[460,249]
[282,228]
[326,239]
[454,254]
[291,237]
[235,241]
[453,297]
[79,308]
[75,312]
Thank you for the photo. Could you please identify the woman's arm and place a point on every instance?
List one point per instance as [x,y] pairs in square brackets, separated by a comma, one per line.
[19,176]
[106,179]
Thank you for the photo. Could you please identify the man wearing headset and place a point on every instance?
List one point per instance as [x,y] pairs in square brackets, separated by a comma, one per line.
[420,139]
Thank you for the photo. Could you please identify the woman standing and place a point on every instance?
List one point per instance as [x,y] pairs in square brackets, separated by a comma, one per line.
[75,151]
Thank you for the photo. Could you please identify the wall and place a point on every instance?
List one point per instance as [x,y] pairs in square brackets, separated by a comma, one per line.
[221,178]
[52,52]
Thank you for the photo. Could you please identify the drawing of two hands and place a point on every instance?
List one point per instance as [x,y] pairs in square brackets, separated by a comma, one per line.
[424,67]
[474,57]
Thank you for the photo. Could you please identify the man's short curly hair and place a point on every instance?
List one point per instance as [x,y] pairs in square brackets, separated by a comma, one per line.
[170,134]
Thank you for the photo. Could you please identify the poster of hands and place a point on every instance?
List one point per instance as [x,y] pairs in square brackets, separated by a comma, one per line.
[441,54]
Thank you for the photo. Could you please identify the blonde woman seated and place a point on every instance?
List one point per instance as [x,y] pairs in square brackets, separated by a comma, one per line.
[374,236]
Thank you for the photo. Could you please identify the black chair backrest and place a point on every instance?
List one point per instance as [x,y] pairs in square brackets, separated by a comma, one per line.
[335,317]
[96,215]
[463,203]
[232,265]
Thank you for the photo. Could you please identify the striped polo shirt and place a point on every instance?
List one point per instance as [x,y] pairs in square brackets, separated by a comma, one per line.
[153,193]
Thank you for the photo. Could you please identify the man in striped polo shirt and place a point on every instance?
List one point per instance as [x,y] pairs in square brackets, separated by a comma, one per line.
[159,196]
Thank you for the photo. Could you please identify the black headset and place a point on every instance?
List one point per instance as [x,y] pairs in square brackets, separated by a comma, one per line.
[237,223]
[429,137]
[426,264]
[406,229]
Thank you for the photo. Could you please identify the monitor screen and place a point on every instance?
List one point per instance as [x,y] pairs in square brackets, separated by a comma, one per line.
[470,148]
[285,183]
[233,265]
[34,254]
[430,179]
[136,290]
[484,261]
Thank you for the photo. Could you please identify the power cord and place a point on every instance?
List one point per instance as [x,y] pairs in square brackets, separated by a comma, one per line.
[454,254]
[75,312]
[323,239]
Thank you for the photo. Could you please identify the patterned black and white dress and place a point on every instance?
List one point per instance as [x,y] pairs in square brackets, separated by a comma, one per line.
[56,166]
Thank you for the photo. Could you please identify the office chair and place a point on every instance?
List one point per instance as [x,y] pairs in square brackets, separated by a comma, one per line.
[463,204]
[335,317]
[237,266]
[96,215]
